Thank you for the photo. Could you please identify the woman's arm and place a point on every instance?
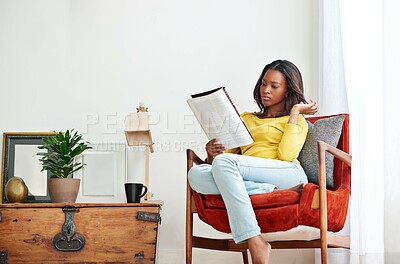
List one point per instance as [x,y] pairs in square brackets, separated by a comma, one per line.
[292,141]
[295,132]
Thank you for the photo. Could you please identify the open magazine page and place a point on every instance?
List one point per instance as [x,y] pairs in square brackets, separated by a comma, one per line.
[219,119]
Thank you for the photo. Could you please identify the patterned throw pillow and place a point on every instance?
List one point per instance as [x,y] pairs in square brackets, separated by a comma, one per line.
[325,129]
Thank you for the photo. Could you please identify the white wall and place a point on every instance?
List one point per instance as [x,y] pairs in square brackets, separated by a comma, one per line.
[86,64]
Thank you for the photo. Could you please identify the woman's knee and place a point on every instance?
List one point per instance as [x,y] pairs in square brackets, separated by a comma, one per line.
[224,165]
[223,160]
[195,174]
[201,180]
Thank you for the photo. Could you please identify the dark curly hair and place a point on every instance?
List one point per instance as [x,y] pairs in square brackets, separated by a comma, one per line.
[294,85]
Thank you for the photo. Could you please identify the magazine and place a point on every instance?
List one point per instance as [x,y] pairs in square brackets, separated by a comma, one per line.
[219,118]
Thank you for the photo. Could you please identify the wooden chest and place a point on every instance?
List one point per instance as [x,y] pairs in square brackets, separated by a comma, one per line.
[79,233]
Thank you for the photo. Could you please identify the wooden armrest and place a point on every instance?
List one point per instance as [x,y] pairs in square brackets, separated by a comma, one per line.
[192,156]
[337,153]
[323,210]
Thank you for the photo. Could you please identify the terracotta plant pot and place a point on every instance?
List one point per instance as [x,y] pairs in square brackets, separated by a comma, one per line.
[63,190]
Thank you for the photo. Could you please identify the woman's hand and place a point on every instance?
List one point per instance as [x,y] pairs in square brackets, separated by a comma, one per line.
[305,109]
[213,149]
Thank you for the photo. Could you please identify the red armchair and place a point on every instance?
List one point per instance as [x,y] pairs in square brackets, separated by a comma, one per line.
[317,206]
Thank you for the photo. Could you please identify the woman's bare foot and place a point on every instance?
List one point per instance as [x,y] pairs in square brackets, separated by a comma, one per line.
[259,250]
[298,188]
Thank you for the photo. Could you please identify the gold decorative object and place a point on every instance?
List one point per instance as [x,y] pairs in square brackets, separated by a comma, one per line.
[16,190]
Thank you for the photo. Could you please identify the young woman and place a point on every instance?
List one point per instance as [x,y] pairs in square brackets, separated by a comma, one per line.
[266,165]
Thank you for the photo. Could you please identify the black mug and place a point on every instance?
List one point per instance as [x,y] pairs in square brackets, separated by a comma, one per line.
[134,191]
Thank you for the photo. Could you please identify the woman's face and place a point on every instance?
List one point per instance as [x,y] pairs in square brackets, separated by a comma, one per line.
[273,90]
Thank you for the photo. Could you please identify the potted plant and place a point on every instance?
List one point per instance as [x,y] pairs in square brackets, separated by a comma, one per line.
[60,160]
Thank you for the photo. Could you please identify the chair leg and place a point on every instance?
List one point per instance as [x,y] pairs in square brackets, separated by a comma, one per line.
[189,225]
[245,257]
[188,253]
[324,244]
[323,208]
[189,238]
[324,259]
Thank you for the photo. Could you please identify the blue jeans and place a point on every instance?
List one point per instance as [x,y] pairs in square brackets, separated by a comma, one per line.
[235,177]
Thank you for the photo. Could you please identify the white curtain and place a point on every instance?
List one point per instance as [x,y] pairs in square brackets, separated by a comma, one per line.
[360,39]
[391,96]
[331,92]
[362,49]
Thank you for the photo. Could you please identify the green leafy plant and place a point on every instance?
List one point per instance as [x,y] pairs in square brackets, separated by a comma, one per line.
[62,149]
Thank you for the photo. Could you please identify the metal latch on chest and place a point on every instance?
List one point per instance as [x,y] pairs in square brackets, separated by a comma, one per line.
[68,239]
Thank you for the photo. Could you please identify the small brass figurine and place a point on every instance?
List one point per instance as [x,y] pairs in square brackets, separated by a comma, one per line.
[16,190]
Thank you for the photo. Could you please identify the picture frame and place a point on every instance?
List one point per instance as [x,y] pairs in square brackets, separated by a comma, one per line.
[19,159]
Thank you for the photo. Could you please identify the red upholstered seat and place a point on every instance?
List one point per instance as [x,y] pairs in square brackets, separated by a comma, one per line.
[258,201]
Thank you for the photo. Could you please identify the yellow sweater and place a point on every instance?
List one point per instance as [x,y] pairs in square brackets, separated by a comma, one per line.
[274,138]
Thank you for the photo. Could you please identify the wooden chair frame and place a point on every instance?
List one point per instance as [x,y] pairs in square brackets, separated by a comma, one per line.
[326,240]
